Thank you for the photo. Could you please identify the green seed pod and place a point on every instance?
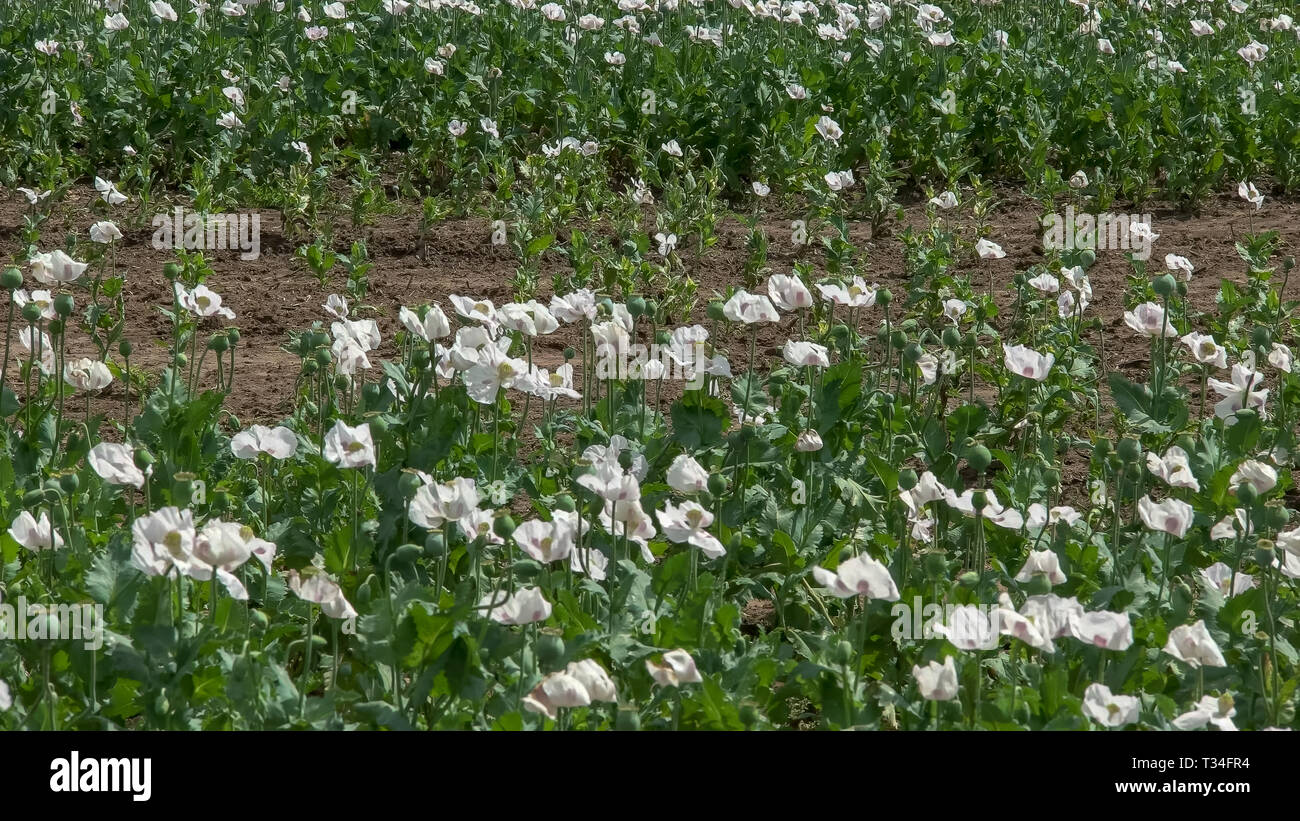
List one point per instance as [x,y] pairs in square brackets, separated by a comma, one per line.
[1020,279]
[11,279]
[1265,555]
[1182,288]
[1039,585]
[564,501]
[407,554]
[181,360]
[882,334]
[569,353]
[897,340]
[842,654]
[714,311]
[258,619]
[1101,448]
[717,484]
[1261,337]
[124,348]
[907,479]
[504,526]
[636,306]
[979,458]
[1276,516]
[143,458]
[322,357]
[979,500]
[549,650]
[233,335]
[935,563]
[56,327]
[1164,285]
[69,482]
[969,579]
[408,484]
[434,545]
[31,312]
[951,337]
[628,720]
[912,353]
[884,297]
[219,343]
[1246,494]
[63,305]
[378,424]
[1129,450]
[171,270]
[1087,258]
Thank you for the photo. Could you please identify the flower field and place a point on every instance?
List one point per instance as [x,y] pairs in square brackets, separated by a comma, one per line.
[618,364]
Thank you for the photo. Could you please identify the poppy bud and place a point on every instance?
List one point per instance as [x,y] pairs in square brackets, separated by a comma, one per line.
[882,335]
[32,312]
[1039,585]
[628,720]
[907,479]
[408,484]
[124,348]
[11,279]
[549,650]
[714,311]
[636,306]
[979,458]
[56,327]
[935,563]
[912,353]
[1087,258]
[951,337]
[968,579]
[504,526]
[1020,279]
[171,270]
[180,360]
[259,619]
[843,653]
[434,545]
[1277,516]
[1260,337]
[564,501]
[69,482]
[32,498]
[1129,450]
[717,484]
[407,554]
[1246,494]
[884,297]
[233,335]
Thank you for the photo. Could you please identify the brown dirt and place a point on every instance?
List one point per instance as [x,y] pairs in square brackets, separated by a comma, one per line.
[277,293]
